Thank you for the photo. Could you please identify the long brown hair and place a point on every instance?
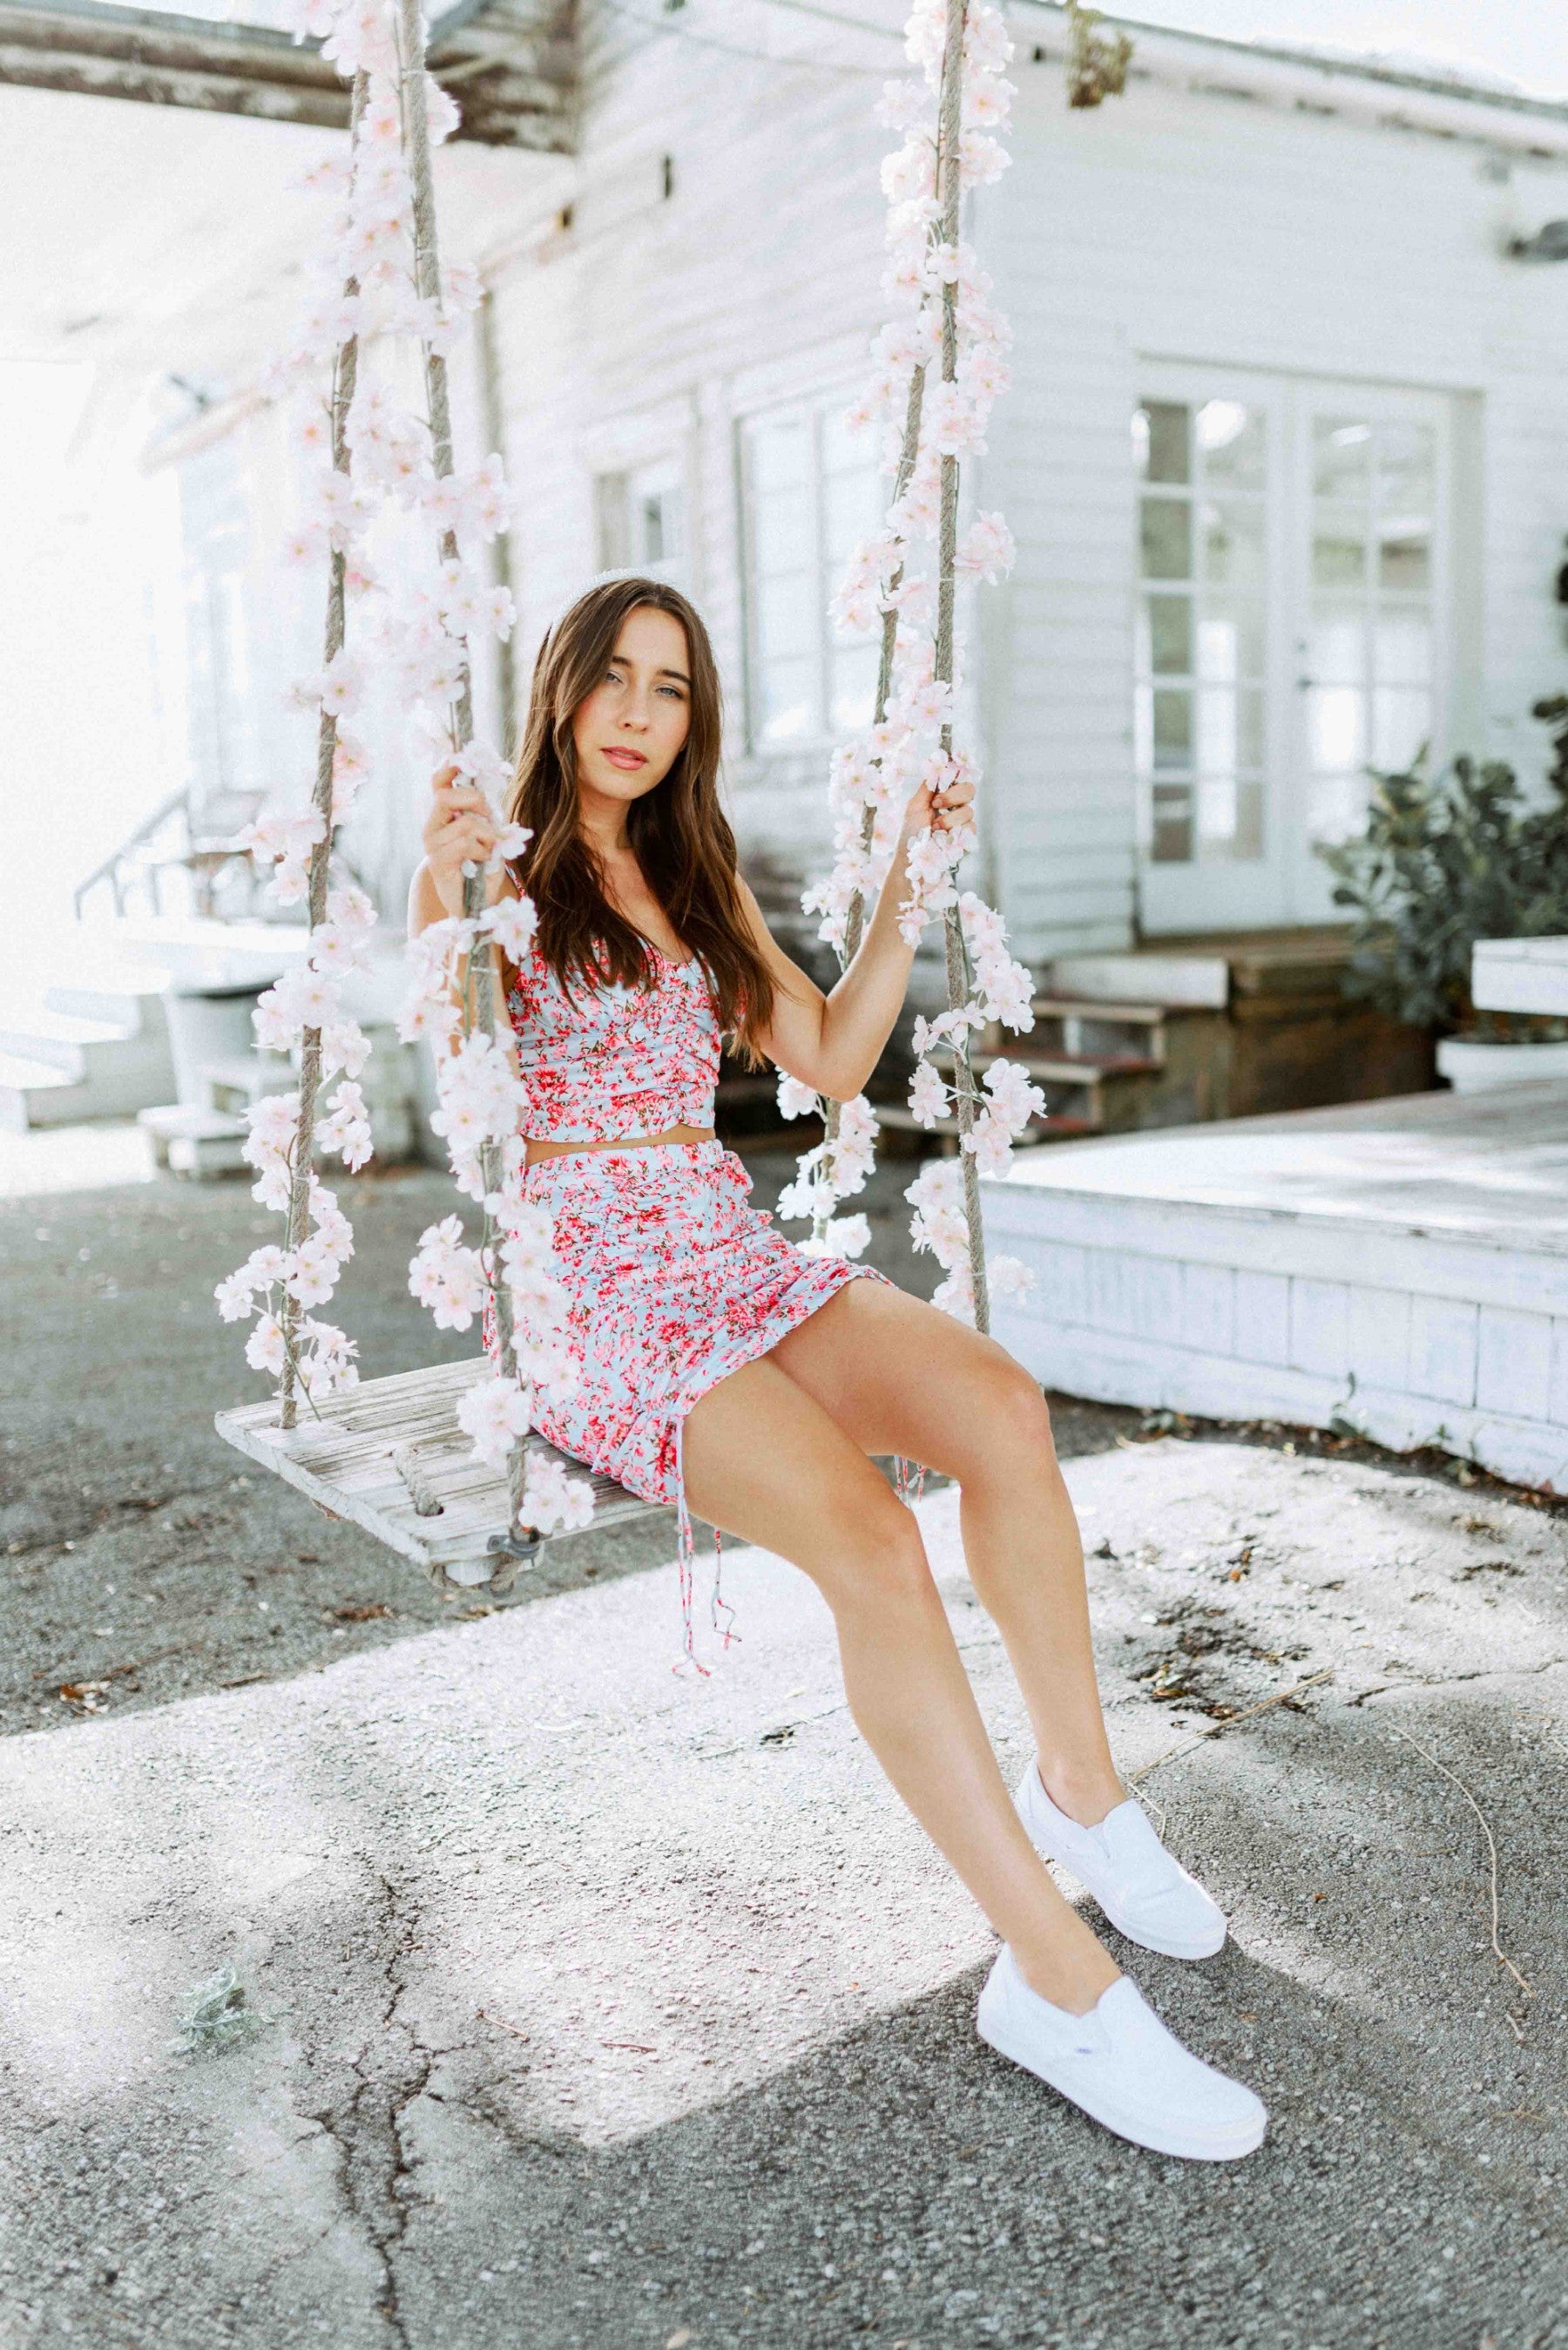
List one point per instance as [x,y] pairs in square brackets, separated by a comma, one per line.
[678,833]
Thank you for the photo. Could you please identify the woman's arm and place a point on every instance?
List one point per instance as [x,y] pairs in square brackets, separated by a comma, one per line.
[460,830]
[832,1042]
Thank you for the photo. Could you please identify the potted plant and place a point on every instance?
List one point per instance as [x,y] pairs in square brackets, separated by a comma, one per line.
[1442,863]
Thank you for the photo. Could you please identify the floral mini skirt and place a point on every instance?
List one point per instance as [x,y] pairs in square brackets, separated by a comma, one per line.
[674,1280]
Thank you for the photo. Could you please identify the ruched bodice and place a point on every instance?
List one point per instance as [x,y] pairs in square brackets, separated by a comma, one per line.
[606,1063]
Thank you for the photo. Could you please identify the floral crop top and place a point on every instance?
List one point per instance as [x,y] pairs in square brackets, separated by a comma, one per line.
[612,1062]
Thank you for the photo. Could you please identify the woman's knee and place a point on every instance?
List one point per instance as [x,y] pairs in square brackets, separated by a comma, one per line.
[883,1560]
[1009,1427]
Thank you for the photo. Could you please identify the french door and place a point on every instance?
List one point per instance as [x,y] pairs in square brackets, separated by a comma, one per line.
[1291,629]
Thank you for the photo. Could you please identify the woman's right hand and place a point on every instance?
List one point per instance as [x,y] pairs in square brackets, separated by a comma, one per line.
[459,830]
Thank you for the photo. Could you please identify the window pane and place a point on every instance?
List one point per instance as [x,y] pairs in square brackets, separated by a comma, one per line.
[786,616]
[1338,552]
[1231,439]
[781,455]
[1172,730]
[844,451]
[614,522]
[1230,637]
[1402,646]
[853,674]
[1336,727]
[1341,450]
[850,511]
[1336,647]
[1165,438]
[1167,538]
[785,529]
[1233,542]
[1405,555]
[786,695]
[1171,839]
[1170,635]
[1401,722]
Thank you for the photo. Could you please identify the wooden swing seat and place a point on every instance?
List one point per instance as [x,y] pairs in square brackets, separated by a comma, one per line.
[344,1455]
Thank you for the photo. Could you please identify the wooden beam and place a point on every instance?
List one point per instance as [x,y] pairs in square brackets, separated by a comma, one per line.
[511,63]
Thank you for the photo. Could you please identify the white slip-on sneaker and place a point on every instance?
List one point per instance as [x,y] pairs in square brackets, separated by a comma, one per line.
[1145,1894]
[1122,2066]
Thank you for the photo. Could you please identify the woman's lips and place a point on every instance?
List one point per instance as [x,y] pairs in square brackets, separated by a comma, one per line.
[619,757]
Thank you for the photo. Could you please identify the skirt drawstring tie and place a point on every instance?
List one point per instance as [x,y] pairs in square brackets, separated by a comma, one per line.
[722,1614]
[909,1479]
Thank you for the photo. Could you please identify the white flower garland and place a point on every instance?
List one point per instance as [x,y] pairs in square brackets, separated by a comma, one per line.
[376,284]
[903,580]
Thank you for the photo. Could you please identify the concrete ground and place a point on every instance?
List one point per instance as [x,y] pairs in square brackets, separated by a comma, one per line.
[594,2009]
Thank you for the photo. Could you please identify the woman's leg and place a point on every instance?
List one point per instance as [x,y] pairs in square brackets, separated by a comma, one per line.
[896,1374]
[765,1461]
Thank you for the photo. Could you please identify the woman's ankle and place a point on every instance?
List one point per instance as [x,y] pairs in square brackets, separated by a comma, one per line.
[1086,1792]
[1075,1980]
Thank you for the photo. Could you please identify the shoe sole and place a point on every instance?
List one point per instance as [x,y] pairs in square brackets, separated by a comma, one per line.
[1187,2146]
[1145,1941]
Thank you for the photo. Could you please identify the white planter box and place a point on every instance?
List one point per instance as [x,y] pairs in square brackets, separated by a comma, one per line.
[1471,1067]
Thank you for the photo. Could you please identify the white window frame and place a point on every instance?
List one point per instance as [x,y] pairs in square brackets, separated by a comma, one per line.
[811,410]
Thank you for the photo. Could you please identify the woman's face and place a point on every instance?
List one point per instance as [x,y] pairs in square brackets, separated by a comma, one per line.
[629,731]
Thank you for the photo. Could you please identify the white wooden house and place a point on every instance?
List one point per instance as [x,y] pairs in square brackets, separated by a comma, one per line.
[1286,454]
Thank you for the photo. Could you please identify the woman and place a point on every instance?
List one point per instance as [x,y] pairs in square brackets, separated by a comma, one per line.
[721,1365]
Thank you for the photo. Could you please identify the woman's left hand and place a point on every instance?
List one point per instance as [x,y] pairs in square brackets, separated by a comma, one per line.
[947,811]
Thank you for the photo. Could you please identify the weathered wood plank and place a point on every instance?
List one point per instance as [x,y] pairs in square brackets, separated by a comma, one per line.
[341,1457]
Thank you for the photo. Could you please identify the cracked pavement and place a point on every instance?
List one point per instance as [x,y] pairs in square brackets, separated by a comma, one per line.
[599,2009]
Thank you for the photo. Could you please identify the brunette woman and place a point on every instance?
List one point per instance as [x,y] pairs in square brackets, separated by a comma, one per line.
[722,1368]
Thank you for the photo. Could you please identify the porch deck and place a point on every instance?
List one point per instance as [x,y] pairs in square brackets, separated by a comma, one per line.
[1401,1266]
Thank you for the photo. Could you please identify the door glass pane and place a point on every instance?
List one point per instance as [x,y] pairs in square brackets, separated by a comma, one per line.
[1336,727]
[1337,807]
[1231,438]
[1230,637]
[1162,438]
[1172,730]
[1233,542]
[1402,645]
[1215,537]
[1342,457]
[1406,468]
[1339,550]
[1170,840]
[1230,729]
[1170,636]
[1401,723]
[1337,645]
[1167,538]
[1405,555]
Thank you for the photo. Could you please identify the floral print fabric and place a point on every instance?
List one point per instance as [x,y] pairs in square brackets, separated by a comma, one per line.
[602,1062]
[674,1280]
